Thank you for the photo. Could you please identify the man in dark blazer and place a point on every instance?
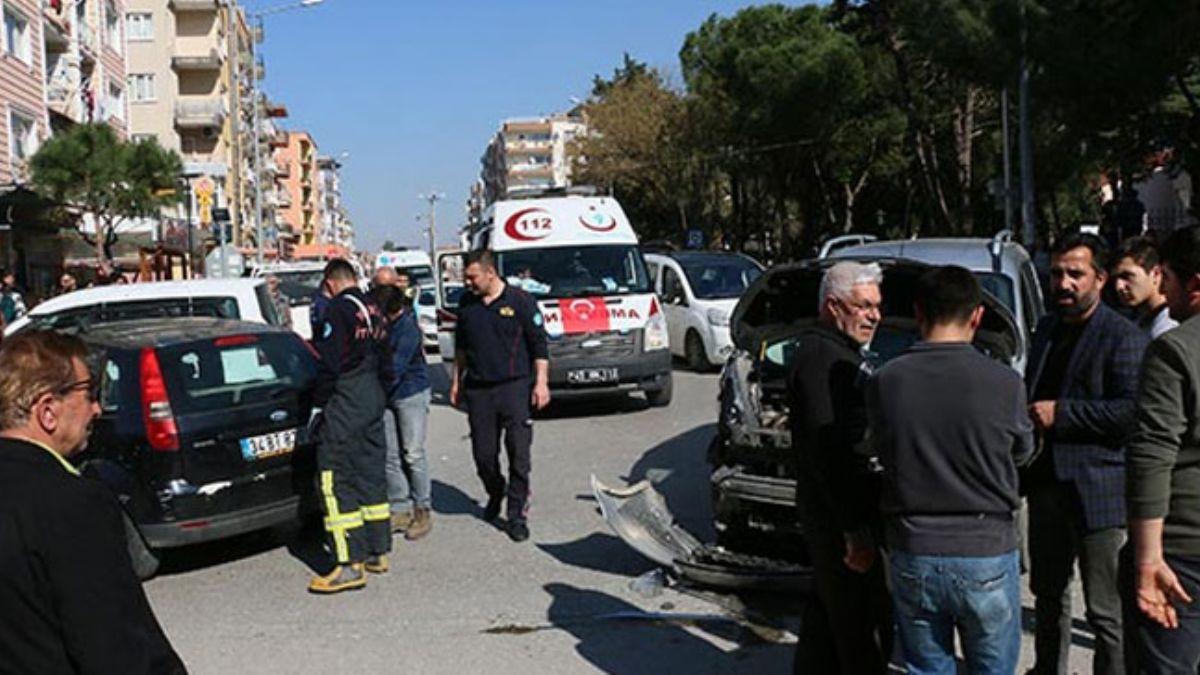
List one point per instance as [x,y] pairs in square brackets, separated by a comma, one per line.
[1082,382]
[70,602]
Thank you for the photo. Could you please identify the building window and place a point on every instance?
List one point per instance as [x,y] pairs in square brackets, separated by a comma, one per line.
[116,102]
[141,87]
[22,134]
[112,26]
[139,26]
[142,138]
[16,36]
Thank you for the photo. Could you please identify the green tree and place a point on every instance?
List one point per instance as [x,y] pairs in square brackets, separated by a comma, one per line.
[89,170]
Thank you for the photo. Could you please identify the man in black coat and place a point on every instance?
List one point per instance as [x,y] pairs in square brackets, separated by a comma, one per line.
[70,602]
[847,624]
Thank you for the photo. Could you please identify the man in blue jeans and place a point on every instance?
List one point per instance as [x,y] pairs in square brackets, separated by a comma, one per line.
[406,418]
[950,426]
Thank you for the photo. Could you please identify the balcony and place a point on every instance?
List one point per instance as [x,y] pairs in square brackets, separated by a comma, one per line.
[89,44]
[279,139]
[283,198]
[531,170]
[213,60]
[283,170]
[199,114]
[536,147]
[194,5]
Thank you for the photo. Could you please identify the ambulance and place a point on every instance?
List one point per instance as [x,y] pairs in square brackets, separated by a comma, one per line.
[578,256]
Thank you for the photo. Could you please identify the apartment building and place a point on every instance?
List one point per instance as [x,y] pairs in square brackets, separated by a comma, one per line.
[336,228]
[298,195]
[530,153]
[62,63]
[190,71]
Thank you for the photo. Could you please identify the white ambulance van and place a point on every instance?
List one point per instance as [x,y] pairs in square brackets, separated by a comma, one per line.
[413,262]
[579,258]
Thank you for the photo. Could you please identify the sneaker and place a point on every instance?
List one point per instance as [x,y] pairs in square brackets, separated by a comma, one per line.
[422,523]
[401,521]
[376,564]
[518,531]
[342,578]
[492,510]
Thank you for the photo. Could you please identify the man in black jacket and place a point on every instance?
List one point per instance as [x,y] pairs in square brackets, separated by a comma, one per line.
[950,426]
[1082,384]
[70,602]
[847,624]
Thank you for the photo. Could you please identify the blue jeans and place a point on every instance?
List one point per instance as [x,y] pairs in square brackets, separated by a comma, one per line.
[1171,651]
[980,597]
[407,468]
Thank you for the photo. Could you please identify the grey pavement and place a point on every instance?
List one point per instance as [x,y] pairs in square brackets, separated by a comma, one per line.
[466,599]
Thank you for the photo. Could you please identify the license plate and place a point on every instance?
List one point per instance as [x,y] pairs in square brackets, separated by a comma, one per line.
[268,445]
[592,376]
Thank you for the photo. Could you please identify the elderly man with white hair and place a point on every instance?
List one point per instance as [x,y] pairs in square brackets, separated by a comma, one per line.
[847,627]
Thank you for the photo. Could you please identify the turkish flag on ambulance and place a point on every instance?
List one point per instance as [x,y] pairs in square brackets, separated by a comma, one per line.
[584,315]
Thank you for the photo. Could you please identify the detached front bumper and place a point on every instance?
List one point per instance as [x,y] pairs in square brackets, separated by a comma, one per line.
[761,504]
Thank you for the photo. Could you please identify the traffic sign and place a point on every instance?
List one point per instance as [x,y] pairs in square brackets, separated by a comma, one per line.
[205,187]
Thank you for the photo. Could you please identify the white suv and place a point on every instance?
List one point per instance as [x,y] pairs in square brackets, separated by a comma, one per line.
[699,290]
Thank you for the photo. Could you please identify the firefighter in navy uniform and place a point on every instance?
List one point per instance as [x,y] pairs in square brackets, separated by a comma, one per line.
[501,369]
[348,404]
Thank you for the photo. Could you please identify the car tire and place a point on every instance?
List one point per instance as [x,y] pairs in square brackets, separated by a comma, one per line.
[145,559]
[661,398]
[693,349]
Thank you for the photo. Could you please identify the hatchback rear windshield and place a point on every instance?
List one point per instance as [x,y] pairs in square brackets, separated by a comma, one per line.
[82,317]
[226,372]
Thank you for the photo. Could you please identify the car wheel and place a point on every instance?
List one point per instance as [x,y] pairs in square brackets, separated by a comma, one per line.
[661,398]
[693,348]
[145,559]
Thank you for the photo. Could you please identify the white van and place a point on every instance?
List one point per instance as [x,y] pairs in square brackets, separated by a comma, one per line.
[579,258]
[699,290]
[413,262]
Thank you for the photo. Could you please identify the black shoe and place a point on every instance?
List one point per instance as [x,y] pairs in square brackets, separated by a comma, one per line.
[492,510]
[518,531]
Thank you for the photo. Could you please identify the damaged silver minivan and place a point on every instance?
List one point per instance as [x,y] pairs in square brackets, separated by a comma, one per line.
[753,480]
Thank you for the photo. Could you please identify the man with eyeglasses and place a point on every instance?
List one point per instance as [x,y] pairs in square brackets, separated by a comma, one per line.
[847,626]
[70,601]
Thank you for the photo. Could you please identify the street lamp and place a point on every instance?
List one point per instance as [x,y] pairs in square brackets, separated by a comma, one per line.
[258,21]
[433,197]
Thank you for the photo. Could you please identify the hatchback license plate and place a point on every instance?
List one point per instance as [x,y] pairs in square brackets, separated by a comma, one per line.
[269,445]
[592,376]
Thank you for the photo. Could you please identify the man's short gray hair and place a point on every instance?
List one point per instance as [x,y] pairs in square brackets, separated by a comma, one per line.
[839,281]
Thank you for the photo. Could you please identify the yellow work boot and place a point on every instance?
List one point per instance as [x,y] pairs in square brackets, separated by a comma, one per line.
[376,564]
[422,523]
[402,521]
[342,578]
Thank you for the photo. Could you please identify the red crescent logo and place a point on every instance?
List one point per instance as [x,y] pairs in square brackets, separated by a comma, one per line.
[521,227]
[608,225]
[583,308]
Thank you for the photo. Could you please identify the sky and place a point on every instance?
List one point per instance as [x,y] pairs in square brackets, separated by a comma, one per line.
[413,90]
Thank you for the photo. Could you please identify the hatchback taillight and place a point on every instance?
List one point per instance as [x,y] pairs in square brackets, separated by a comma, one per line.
[156,406]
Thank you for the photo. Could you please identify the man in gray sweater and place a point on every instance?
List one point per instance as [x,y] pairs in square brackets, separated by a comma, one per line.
[1163,476]
[950,425]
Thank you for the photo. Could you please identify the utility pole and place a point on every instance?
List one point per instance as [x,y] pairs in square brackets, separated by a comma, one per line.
[431,223]
[1008,214]
[1028,222]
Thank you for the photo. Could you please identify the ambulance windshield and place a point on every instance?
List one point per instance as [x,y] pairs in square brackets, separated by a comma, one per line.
[575,271]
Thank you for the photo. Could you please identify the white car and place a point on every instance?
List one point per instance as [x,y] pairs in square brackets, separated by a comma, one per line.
[245,299]
[699,290]
[425,305]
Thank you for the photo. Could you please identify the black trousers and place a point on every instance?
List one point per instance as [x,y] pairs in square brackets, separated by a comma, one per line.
[351,457]
[1057,538]
[492,411]
[846,625]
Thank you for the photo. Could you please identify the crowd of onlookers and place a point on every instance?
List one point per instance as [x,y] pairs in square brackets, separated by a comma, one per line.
[911,475]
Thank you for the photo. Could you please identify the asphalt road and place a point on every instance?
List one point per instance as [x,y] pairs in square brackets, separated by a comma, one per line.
[466,599]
